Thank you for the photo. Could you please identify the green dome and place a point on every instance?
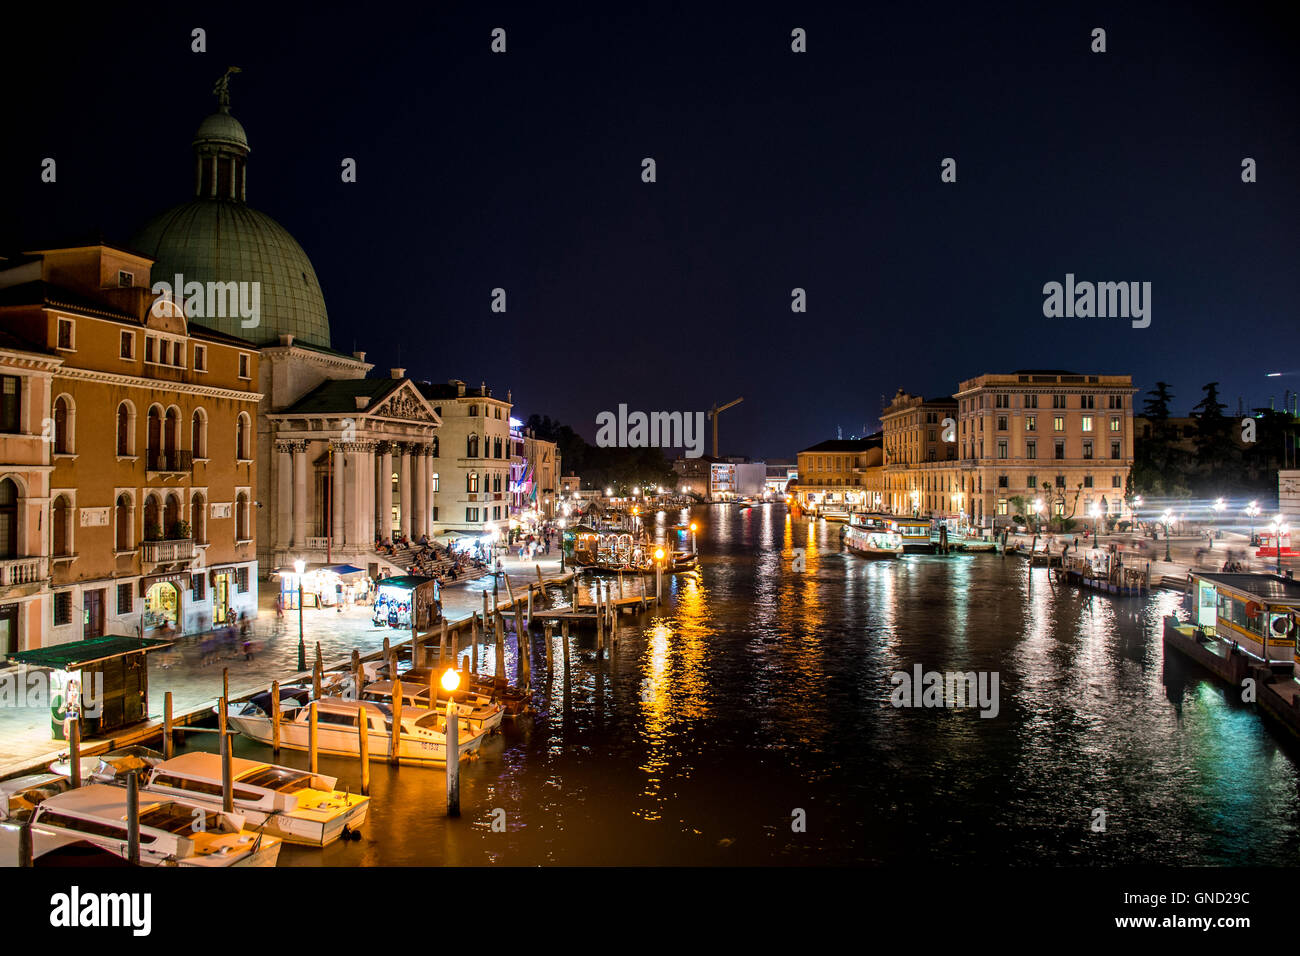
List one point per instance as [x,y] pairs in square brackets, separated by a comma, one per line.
[222,128]
[221,240]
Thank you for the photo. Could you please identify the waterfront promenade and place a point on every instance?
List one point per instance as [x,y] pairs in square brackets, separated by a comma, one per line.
[25,731]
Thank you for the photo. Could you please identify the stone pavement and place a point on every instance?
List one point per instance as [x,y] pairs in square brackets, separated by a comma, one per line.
[25,731]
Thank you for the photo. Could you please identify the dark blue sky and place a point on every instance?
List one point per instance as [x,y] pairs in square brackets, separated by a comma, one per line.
[775,170]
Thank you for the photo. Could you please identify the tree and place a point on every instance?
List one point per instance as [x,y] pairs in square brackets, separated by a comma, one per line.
[1215,450]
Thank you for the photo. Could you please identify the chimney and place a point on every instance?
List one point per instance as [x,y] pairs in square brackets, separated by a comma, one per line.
[460,387]
[359,356]
[286,339]
[397,373]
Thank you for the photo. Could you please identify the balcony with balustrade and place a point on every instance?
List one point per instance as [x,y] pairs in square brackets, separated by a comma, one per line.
[22,576]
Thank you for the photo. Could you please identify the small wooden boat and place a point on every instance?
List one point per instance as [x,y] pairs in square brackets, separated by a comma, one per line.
[420,742]
[478,713]
[294,805]
[173,831]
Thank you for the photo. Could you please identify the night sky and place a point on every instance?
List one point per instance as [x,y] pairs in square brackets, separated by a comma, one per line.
[775,170]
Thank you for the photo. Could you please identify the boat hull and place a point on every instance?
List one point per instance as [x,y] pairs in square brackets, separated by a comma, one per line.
[344,743]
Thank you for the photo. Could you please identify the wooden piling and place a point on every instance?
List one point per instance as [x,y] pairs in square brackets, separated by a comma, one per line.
[317,678]
[275,716]
[499,631]
[26,849]
[225,683]
[313,737]
[227,767]
[169,743]
[564,641]
[521,643]
[442,644]
[452,741]
[74,749]
[540,580]
[530,605]
[395,741]
[473,647]
[363,741]
[132,819]
[550,654]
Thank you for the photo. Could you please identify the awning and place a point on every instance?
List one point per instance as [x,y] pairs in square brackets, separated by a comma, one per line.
[407,582]
[77,654]
[343,570]
[179,578]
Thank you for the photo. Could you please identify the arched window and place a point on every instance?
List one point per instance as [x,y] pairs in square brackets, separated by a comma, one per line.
[61,527]
[471,446]
[152,519]
[8,519]
[171,515]
[242,448]
[199,434]
[241,517]
[125,423]
[496,482]
[471,481]
[198,524]
[473,410]
[435,446]
[153,439]
[435,481]
[63,425]
[124,522]
[172,434]
[496,448]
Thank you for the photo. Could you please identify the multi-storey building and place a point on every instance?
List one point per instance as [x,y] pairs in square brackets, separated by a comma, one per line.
[145,513]
[842,474]
[471,486]
[538,485]
[915,450]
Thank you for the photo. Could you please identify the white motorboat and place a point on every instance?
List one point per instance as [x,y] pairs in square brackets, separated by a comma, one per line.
[478,713]
[873,540]
[294,805]
[172,832]
[420,738]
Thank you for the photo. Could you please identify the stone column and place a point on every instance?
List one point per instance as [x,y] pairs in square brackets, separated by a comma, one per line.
[368,496]
[336,489]
[284,503]
[352,495]
[426,482]
[420,492]
[404,491]
[300,506]
[385,512]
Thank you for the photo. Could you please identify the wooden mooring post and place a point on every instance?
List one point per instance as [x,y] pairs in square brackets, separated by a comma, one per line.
[499,632]
[396,738]
[550,653]
[132,819]
[363,741]
[227,764]
[524,650]
[74,749]
[313,737]
[452,738]
[275,716]
[564,641]
[169,742]
[473,647]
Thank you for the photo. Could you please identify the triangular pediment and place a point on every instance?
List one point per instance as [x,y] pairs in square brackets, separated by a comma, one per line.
[406,404]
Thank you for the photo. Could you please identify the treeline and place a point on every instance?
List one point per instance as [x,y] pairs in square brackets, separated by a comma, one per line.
[617,468]
[1222,460]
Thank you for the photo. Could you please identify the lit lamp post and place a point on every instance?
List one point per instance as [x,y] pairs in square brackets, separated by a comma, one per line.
[1166,519]
[693,537]
[450,681]
[1252,511]
[1137,503]
[1279,528]
[300,566]
[659,575]
[1095,512]
[1219,505]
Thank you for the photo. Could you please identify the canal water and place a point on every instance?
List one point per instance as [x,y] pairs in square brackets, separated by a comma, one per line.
[751,723]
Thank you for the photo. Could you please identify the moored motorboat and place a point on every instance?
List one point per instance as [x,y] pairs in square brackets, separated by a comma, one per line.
[873,542]
[420,737]
[294,805]
[477,712]
[172,831]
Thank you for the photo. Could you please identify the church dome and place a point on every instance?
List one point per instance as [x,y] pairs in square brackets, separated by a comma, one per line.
[218,237]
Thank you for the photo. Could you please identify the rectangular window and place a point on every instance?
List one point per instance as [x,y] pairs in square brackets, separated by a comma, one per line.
[1114,481]
[1087,449]
[1114,449]
[1117,401]
[241,580]
[1002,509]
[1031,423]
[1002,481]
[197,585]
[125,279]
[1087,423]
[62,608]
[1087,481]
[1031,482]
[126,348]
[1031,449]
[10,401]
[1058,423]
[178,354]
[1002,423]
[1031,401]
[1086,401]
[200,358]
[1114,423]
[125,600]
[1058,401]
[1060,449]
[65,334]
[1002,401]
[149,345]
[1060,481]
[1002,449]
[245,365]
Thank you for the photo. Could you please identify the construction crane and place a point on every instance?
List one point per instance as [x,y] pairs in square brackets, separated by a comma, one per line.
[713,414]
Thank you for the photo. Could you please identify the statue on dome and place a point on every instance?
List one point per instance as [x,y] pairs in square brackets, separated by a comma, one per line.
[222,89]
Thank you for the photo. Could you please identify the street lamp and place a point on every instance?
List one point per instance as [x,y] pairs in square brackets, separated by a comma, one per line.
[1137,503]
[300,566]
[693,537]
[1279,527]
[1095,511]
[1166,519]
[1219,505]
[1038,513]
[1252,510]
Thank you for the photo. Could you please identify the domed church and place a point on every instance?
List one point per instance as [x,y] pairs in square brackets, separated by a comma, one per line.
[342,459]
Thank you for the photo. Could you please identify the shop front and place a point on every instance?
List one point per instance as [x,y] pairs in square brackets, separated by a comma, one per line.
[401,600]
[162,602]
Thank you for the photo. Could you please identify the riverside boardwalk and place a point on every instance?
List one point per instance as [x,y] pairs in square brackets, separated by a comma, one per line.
[26,743]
